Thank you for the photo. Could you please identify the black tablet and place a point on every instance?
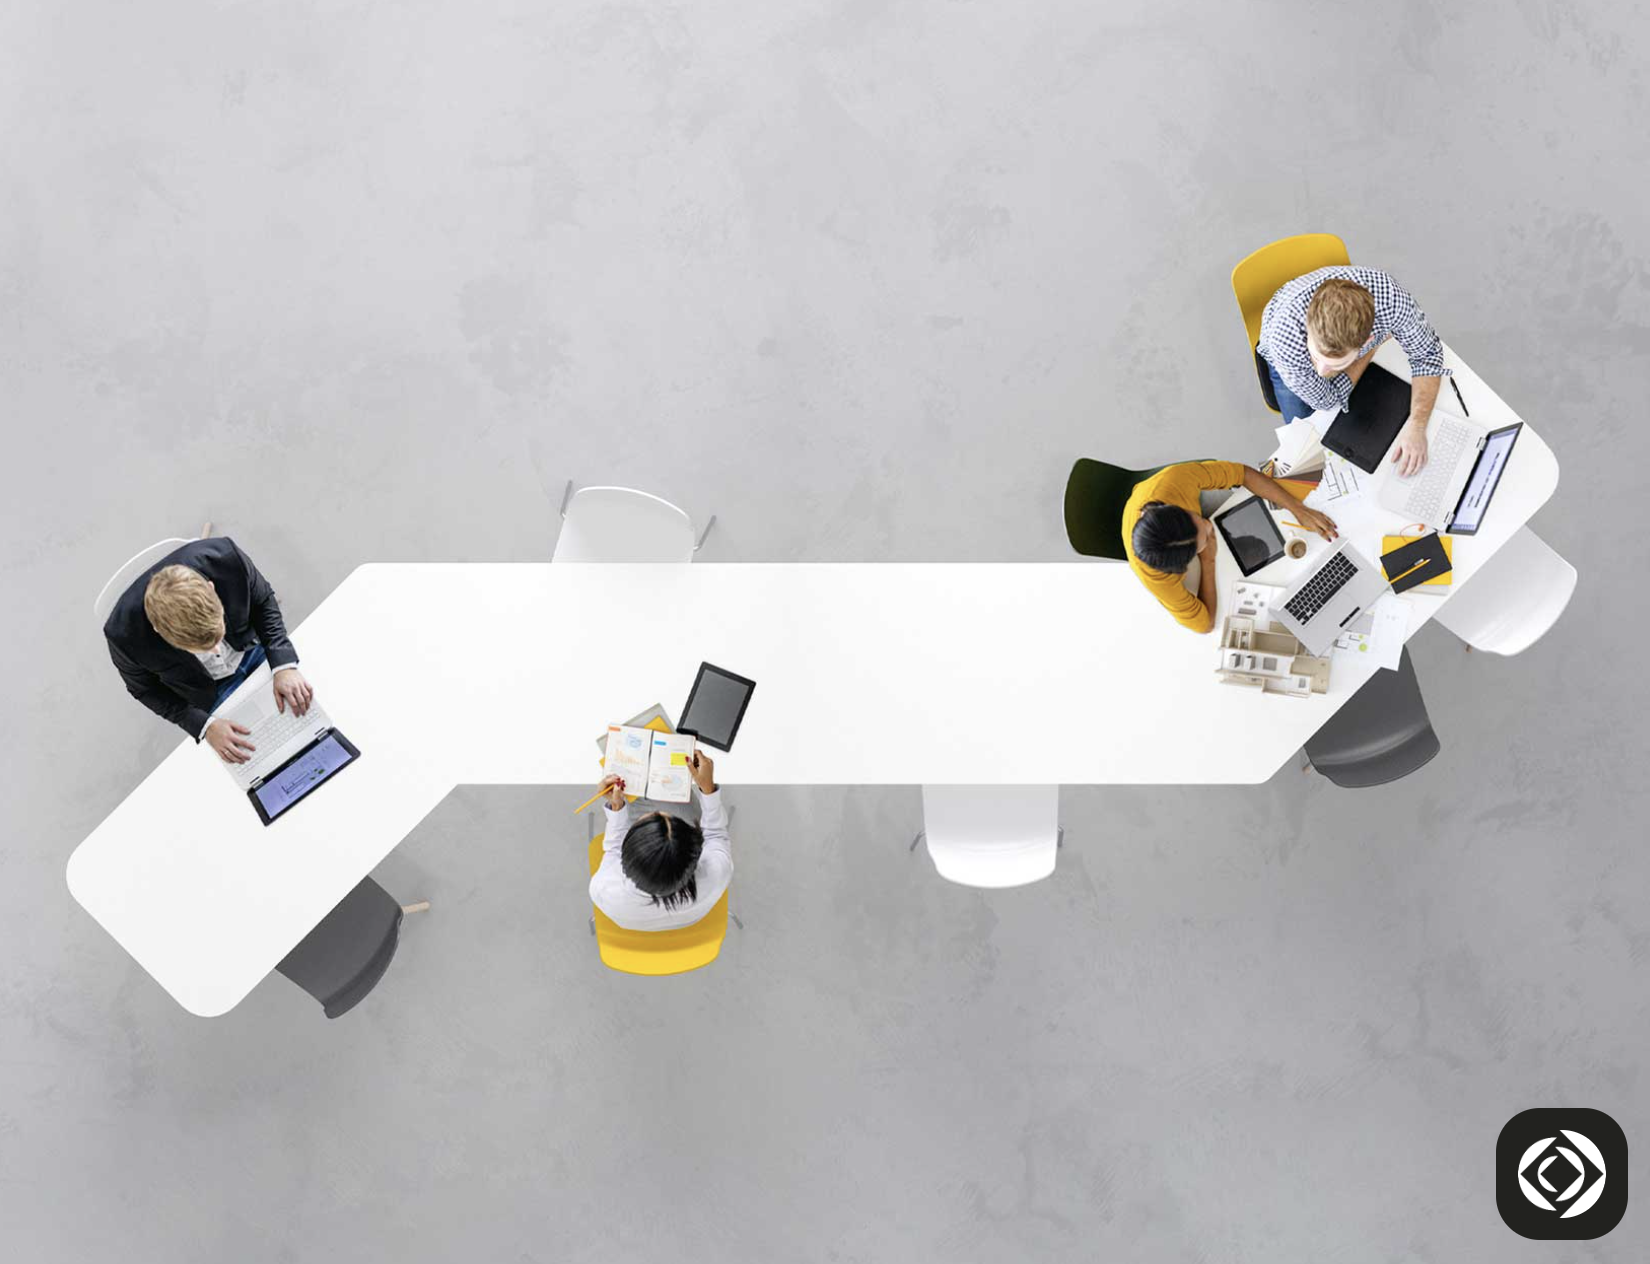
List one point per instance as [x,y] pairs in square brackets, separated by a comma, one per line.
[1375,413]
[1251,534]
[716,706]
[291,783]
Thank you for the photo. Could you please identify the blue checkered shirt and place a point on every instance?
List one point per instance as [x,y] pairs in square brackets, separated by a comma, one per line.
[1283,334]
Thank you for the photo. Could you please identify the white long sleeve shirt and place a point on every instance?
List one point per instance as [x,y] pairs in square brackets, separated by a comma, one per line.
[631,907]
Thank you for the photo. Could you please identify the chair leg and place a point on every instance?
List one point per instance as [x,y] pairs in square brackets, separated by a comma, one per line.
[422,906]
[921,834]
[592,923]
[736,921]
[704,533]
[206,529]
[1059,837]
[566,495]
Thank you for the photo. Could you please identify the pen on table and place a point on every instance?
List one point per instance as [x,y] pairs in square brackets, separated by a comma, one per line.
[593,798]
[1457,391]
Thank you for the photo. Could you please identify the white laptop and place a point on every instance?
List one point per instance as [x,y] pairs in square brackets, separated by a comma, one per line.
[1341,585]
[294,754]
[1453,489]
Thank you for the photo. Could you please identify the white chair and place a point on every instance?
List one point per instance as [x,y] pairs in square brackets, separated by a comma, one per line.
[1511,603]
[131,569]
[991,836]
[619,524]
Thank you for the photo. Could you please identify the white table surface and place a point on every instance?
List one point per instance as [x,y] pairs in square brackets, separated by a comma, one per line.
[867,674]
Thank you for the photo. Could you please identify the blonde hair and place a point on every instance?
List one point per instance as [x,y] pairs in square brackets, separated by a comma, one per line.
[184,608]
[1341,316]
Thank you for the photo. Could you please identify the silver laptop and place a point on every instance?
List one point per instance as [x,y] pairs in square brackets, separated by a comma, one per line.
[1340,587]
[278,735]
[1453,489]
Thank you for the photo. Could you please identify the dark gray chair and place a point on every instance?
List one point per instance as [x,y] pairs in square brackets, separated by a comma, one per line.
[1382,734]
[343,958]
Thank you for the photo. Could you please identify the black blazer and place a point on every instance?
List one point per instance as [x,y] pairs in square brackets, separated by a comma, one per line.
[169,681]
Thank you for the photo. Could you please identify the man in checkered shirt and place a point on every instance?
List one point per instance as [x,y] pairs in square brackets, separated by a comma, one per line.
[1319,332]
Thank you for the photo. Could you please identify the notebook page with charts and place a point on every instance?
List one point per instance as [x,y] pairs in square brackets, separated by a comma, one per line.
[628,751]
[669,775]
[653,764]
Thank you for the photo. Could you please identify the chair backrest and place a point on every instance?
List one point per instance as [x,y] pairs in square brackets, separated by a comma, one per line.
[1096,492]
[992,836]
[1514,599]
[343,958]
[130,570]
[1381,734]
[620,524]
[1260,275]
[658,952]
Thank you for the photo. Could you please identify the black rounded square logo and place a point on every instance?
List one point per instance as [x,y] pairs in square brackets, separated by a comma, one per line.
[1561,1175]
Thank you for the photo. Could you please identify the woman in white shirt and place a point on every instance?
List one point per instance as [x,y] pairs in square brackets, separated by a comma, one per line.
[662,872]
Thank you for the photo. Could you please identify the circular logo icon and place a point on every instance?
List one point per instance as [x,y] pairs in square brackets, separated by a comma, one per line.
[1581,1168]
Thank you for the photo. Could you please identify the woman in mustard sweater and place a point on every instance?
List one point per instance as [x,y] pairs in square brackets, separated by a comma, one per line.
[1163,531]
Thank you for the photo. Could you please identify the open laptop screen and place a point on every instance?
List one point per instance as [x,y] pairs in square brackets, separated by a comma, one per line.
[302,773]
[1486,473]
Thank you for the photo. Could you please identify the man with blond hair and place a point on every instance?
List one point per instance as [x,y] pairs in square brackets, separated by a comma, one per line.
[1317,336]
[189,630]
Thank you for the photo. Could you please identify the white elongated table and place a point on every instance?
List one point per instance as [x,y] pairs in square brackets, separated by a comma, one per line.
[867,674]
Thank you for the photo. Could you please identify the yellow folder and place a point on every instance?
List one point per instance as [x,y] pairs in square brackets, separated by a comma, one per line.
[1388,543]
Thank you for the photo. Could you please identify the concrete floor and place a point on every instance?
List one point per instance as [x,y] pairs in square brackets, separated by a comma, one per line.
[372,281]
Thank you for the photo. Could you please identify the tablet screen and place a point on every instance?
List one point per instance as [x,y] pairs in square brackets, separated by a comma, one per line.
[1251,534]
[716,706]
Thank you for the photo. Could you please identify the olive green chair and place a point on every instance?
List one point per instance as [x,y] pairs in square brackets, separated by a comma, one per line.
[1095,495]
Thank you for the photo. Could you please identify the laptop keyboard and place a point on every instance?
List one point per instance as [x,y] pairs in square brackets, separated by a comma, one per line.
[1448,440]
[268,735]
[1317,591]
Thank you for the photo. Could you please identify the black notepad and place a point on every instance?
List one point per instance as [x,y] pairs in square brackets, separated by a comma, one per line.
[1417,562]
[1364,433]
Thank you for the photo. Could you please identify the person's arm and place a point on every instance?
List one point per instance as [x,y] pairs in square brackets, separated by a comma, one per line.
[148,688]
[1409,452]
[1270,489]
[265,612]
[617,809]
[1207,593]
[1425,351]
[291,689]
[716,857]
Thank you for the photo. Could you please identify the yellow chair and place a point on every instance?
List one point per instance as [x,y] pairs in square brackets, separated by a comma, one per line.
[1260,276]
[658,951]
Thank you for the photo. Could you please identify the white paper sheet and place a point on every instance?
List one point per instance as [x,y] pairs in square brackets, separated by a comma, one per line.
[1378,636]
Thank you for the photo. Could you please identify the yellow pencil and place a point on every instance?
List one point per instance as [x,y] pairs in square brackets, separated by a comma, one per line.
[1411,570]
[588,801]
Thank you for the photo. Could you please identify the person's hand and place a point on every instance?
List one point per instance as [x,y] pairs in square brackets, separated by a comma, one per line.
[614,785]
[1312,520]
[292,690]
[704,772]
[1409,454]
[229,740]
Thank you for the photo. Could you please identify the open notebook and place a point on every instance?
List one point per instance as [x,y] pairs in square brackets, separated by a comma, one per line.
[651,757]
